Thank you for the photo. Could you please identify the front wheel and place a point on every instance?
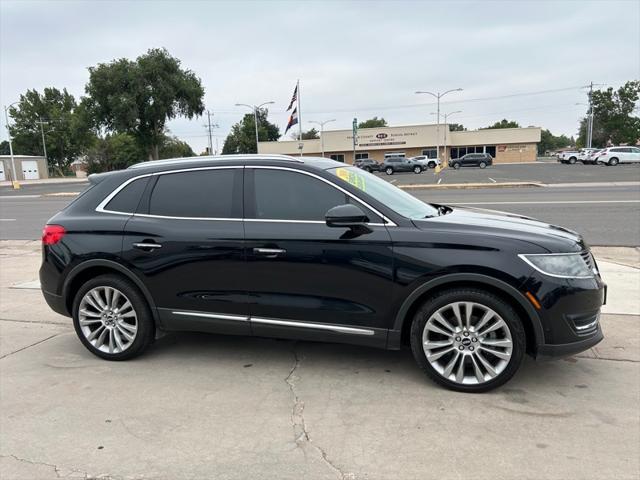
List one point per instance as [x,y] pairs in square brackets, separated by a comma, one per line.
[432,165]
[572,160]
[112,319]
[388,171]
[468,340]
[613,162]
[417,169]
[482,165]
[456,166]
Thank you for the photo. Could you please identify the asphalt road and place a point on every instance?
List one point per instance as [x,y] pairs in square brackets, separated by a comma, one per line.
[604,215]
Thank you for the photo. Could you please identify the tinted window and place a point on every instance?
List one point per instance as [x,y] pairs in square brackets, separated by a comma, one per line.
[200,193]
[284,195]
[128,198]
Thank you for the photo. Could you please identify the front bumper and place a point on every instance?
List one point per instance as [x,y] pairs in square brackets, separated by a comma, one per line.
[549,352]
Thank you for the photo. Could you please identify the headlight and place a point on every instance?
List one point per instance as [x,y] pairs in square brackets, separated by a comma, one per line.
[562,265]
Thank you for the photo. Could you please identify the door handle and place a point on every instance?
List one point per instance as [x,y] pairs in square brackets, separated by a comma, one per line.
[269,252]
[146,245]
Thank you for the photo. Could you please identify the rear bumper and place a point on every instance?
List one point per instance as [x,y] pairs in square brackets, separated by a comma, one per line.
[56,303]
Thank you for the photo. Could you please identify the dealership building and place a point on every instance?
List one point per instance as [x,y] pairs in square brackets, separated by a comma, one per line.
[505,145]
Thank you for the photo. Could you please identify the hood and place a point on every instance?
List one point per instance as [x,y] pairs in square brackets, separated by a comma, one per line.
[478,221]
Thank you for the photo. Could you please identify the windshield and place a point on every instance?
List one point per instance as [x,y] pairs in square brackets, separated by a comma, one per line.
[397,200]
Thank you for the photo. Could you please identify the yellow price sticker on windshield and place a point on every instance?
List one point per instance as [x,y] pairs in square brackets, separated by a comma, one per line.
[354,178]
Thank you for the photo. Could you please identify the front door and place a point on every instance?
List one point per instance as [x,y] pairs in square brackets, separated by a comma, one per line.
[305,279]
[186,244]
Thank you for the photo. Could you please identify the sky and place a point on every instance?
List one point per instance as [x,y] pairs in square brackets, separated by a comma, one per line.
[526,61]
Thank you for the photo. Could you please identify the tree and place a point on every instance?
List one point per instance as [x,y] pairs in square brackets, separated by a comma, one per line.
[613,119]
[172,147]
[308,135]
[456,127]
[113,152]
[374,122]
[549,142]
[242,138]
[138,97]
[504,123]
[67,132]
[4,148]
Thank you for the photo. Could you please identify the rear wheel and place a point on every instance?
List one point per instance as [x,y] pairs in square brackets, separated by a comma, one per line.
[367,169]
[417,169]
[467,340]
[572,160]
[112,319]
[432,164]
[613,162]
[482,165]
[456,166]
[388,171]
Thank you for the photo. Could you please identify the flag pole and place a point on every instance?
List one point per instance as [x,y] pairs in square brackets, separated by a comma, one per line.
[299,116]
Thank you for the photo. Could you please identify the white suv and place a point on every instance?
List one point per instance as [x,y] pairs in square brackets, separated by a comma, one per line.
[425,161]
[614,155]
[586,155]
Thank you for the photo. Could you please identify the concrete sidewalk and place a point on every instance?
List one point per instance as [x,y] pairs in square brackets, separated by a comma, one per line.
[203,406]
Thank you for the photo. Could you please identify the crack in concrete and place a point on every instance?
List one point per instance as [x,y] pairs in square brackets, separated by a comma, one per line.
[302,437]
[60,472]
[29,346]
[41,322]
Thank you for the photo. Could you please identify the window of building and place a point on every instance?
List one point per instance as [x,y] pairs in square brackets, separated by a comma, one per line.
[199,194]
[362,155]
[394,154]
[127,199]
[338,157]
[430,153]
[491,150]
[284,195]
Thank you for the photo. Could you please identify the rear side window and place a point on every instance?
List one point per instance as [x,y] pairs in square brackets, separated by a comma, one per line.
[127,199]
[284,195]
[195,194]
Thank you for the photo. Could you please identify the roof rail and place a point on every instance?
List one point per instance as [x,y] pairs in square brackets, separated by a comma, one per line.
[267,156]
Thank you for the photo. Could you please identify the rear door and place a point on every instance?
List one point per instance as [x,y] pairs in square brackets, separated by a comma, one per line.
[185,242]
[305,279]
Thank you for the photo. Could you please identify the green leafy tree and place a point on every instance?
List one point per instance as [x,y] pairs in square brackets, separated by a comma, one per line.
[456,127]
[139,97]
[308,135]
[242,138]
[172,147]
[67,131]
[549,142]
[113,152]
[4,148]
[614,121]
[504,123]
[374,122]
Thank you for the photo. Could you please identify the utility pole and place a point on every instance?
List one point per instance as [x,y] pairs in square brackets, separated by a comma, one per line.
[438,96]
[42,123]
[14,182]
[322,131]
[589,126]
[354,129]
[209,126]
[446,129]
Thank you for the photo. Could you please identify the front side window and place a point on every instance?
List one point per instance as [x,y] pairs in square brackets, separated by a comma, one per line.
[286,195]
[385,193]
[195,194]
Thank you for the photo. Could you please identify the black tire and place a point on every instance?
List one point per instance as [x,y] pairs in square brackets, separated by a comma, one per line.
[612,162]
[431,164]
[417,169]
[479,296]
[482,165]
[367,170]
[146,326]
[388,171]
[572,160]
[456,166]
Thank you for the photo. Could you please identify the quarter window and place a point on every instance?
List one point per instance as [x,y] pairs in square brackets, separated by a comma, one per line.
[127,199]
[198,194]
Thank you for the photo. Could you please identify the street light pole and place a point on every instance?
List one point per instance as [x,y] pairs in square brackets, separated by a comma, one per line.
[14,183]
[322,131]
[44,145]
[255,115]
[438,96]
[446,129]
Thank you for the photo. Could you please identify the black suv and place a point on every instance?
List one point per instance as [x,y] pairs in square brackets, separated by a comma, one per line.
[481,160]
[400,164]
[311,249]
[368,164]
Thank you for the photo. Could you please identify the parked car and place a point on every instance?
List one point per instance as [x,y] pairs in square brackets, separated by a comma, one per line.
[614,155]
[312,249]
[570,157]
[481,160]
[585,155]
[425,161]
[368,164]
[392,165]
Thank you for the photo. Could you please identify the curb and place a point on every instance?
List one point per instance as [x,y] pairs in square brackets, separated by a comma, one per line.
[470,185]
[61,194]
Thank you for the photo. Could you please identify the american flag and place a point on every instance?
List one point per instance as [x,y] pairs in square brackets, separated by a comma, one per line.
[294,98]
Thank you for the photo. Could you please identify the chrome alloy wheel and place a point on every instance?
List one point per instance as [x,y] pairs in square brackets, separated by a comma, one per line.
[108,320]
[467,343]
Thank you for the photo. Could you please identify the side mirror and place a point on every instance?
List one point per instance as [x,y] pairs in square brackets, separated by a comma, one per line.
[346,216]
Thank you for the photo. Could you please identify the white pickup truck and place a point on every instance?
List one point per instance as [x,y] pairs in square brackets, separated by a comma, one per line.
[570,156]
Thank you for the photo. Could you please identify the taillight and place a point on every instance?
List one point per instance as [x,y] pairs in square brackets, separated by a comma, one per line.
[52,234]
